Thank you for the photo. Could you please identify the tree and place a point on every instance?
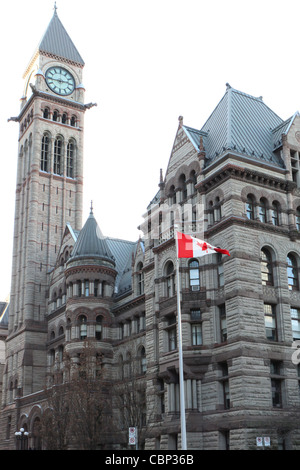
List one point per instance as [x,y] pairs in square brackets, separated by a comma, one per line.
[78,415]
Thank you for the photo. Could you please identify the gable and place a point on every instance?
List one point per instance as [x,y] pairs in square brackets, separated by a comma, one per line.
[184,155]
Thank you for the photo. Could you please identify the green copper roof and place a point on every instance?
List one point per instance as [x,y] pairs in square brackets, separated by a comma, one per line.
[57,42]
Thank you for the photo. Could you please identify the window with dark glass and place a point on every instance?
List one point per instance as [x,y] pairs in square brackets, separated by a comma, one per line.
[250,208]
[263,210]
[196,327]
[57,163]
[98,328]
[45,153]
[223,323]
[172,333]
[70,160]
[275,213]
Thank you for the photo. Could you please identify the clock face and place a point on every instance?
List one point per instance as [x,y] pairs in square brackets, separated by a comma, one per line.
[60,81]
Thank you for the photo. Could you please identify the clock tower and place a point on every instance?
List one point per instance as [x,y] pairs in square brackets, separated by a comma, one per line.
[48,196]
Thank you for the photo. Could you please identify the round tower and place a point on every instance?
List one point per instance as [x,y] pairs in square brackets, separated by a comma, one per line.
[90,279]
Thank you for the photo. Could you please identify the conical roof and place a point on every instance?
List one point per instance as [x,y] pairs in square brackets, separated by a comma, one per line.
[91,243]
[56,41]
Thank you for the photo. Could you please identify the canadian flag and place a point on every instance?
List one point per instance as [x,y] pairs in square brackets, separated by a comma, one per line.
[190,247]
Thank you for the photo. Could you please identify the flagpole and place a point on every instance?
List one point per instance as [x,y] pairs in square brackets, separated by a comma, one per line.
[181,381]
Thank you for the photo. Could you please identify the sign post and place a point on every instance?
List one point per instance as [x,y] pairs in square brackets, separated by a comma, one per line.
[133,437]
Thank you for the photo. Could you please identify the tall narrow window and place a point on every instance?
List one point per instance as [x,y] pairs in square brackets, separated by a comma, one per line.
[172,335]
[220,269]
[143,361]
[223,323]
[250,207]
[292,272]
[70,159]
[83,327]
[295,318]
[196,327]
[263,210]
[298,218]
[270,322]
[45,153]
[194,275]
[98,329]
[266,268]
[140,279]
[183,187]
[170,279]
[275,213]
[57,164]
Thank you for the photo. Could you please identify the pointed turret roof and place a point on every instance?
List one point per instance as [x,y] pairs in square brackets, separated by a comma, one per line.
[57,42]
[91,243]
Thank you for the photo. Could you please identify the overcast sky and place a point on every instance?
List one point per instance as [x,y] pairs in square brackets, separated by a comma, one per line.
[147,63]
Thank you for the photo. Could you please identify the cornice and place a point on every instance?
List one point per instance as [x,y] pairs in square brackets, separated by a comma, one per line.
[248,174]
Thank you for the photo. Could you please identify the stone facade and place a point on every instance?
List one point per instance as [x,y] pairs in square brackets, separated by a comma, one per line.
[240,313]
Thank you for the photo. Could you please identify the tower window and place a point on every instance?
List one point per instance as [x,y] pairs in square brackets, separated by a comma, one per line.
[45,153]
[57,167]
[70,160]
[46,113]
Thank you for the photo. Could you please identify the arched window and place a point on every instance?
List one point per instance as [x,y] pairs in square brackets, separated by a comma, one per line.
[70,159]
[193,179]
[98,328]
[73,121]
[172,195]
[46,113]
[263,210]
[170,279]
[45,153]
[57,164]
[82,327]
[292,272]
[194,275]
[183,187]
[266,268]
[64,118]
[55,116]
[275,213]
[218,209]
[250,207]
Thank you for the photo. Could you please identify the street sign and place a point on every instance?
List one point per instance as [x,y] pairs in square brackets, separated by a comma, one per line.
[132,436]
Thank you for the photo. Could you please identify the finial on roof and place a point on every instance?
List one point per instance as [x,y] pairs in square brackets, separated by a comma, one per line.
[55,9]
[180,119]
[91,207]
[228,86]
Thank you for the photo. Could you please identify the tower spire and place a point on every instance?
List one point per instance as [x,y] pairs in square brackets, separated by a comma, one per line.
[55,9]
